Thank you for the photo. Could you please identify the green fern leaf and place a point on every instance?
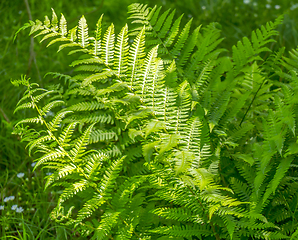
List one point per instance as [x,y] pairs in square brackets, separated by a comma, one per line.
[183,231]
[121,52]
[54,155]
[63,26]
[54,22]
[282,168]
[73,189]
[51,105]
[79,149]
[38,142]
[31,120]
[24,106]
[136,56]
[93,165]
[108,46]
[108,221]
[65,136]
[181,40]
[54,124]
[83,32]
[97,39]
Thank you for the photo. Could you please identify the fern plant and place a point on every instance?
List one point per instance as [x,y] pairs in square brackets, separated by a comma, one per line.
[159,133]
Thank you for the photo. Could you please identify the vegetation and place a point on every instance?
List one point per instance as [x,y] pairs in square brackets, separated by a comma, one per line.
[160,130]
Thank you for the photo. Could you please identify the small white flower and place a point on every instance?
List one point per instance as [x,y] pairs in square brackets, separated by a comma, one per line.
[293,7]
[268,6]
[19,210]
[14,207]
[269,1]
[20,175]
[255,4]
[246,1]
[1,207]
[10,198]
[277,7]
[33,164]
[203,7]
[189,16]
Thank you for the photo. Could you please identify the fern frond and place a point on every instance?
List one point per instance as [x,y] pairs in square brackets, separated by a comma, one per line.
[282,168]
[179,214]
[160,29]
[73,189]
[247,51]
[38,142]
[136,56]
[108,46]
[93,164]
[90,206]
[98,77]
[108,221]
[181,41]
[83,35]
[86,106]
[65,136]
[55,123]
[121,52]
[97,39]
[218,108]
[54,155]
[241,189]
[98,135]
[79,149]
[110,176]
[62,172]
[38,120]
[98,117]
[51,105]
[104,188]
[148,72]
[184,231]
[183,108]
[25,106]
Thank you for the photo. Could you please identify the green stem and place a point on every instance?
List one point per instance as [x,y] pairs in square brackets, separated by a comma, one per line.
[252,102]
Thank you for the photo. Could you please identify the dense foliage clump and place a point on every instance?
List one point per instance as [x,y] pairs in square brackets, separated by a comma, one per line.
[160,133]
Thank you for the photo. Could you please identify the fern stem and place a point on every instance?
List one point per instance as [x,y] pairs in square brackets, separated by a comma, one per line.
[254,97]
[4,115]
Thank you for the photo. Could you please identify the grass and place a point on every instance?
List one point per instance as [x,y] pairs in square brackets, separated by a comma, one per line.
[25,210]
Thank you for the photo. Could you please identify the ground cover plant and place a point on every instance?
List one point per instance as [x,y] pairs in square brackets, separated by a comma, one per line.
[159,133]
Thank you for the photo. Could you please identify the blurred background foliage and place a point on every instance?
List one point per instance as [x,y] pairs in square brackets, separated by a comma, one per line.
[25,55]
